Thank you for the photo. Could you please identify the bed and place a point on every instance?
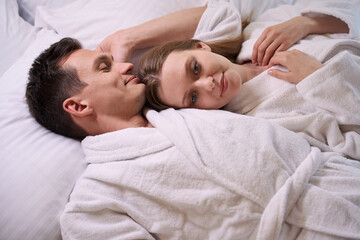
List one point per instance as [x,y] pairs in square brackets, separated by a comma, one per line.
[39,168]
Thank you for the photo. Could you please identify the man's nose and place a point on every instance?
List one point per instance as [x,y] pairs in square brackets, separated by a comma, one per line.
[125,68]
[206,83]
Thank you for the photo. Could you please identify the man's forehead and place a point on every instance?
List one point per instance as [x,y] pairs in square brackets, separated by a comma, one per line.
[80,59]
[79,54]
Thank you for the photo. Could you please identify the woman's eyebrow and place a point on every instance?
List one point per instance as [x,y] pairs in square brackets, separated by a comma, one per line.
[187,66]
[188,72]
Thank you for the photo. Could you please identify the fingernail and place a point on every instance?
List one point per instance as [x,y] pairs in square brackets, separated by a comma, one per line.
[270,72]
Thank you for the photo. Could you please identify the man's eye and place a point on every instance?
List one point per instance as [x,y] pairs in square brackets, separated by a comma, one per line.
[193,97]
[104,67]
[196,68]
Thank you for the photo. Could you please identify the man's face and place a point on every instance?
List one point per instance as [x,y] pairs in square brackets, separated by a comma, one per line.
[112,91]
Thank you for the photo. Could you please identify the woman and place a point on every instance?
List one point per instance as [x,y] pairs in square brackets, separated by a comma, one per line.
[161,59]
[208,80]
[199,75]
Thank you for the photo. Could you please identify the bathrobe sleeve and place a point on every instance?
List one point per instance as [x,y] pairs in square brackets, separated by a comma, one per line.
[335,88]
[223,18]
[105,224]
[346,11]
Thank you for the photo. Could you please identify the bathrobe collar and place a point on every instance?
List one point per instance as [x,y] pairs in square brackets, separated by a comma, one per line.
[130,144]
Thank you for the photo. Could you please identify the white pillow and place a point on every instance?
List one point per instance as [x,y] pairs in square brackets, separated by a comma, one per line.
[27,8]
[15,34]
[38,168]
[90,21]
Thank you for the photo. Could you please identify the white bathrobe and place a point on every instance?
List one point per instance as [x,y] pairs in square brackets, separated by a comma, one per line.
[325,106]
[211,175]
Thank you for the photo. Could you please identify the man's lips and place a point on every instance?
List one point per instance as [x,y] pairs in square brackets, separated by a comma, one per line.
[223,85]
[132,79]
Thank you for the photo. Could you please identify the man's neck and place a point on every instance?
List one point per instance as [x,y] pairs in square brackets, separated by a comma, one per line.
[136,121]
[107,124]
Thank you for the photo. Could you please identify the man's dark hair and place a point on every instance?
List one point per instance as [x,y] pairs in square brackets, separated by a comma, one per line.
[50,84]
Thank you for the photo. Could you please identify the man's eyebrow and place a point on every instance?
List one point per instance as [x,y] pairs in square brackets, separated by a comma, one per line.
[100,59]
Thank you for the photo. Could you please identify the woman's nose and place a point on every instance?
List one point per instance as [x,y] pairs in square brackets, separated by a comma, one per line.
[125,68]
[206,83]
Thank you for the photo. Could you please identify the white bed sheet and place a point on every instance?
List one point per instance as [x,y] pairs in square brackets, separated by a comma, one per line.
[15,34]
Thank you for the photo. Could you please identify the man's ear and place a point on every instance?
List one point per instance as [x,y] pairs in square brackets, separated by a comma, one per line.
[76,108]
[202,45]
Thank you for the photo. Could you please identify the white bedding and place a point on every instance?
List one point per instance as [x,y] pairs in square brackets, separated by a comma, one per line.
[39,168]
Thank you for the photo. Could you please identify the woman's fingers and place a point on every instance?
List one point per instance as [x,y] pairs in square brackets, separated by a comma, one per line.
[278,59]
[280,74]
[267,47]
[267,44]
[270,51]
[254,56]
[299,64]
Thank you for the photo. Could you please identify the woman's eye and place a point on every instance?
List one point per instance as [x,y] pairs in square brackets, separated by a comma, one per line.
[193,97]
[196,68]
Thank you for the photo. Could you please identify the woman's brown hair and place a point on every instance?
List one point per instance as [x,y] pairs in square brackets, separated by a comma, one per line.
[151,64]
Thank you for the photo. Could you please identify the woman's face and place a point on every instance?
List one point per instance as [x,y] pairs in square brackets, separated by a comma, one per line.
[198,78]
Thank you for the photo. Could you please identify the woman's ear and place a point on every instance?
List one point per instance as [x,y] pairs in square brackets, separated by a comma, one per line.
[76,108]
[203,46]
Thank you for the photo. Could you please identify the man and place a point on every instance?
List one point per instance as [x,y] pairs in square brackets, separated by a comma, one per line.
[85,77]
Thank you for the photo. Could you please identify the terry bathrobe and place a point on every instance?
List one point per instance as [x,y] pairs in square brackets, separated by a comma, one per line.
[212,175]
[325,106]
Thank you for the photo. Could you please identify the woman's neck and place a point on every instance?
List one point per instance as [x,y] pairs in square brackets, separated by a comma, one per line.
[249,70]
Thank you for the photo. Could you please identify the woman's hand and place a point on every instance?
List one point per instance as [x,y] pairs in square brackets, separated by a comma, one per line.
[118,44]
[279,38]
[282,36]
[299,64]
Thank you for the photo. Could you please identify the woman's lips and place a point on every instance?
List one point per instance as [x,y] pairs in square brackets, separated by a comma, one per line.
[223,85]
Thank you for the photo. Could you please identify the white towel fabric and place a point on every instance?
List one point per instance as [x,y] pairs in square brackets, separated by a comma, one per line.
[325,106]
[212,175]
